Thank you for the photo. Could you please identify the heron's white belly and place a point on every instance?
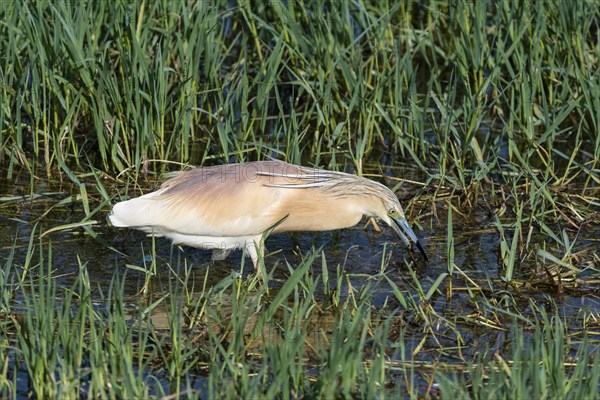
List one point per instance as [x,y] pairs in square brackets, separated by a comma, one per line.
[208,242]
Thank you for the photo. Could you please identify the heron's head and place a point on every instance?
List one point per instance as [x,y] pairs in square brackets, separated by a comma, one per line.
[391,213]
[372,199]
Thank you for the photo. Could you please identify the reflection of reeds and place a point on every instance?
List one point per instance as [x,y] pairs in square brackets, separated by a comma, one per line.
[487,111]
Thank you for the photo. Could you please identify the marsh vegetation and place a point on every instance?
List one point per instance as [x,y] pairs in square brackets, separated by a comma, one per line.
[482,116]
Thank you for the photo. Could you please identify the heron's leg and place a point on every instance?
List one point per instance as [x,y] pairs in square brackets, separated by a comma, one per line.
[256,250]
[373,221]
[220,254]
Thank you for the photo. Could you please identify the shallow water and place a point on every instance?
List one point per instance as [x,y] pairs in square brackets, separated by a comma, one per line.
[27,210]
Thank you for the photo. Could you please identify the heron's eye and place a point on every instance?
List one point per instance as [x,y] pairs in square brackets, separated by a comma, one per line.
[393,212]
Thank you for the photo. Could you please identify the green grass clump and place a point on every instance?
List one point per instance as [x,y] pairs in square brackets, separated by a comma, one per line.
[235,339]
[543,364]
[126,84]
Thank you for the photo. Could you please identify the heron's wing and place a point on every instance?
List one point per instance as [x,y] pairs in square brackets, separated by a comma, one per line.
[300,178]
[229,200]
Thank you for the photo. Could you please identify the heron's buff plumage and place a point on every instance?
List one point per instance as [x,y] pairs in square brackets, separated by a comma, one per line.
[230,206]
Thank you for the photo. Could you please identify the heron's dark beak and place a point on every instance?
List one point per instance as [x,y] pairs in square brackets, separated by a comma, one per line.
[401,226]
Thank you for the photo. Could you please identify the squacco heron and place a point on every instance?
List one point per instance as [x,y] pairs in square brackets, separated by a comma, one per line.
[231,206]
